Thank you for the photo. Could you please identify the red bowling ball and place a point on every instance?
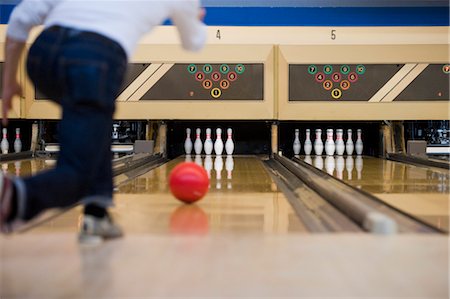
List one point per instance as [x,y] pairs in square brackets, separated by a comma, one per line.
[188,182]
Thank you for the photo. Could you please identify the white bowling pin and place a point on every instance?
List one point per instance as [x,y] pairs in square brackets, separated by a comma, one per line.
[359,143]
[296,146]
[340,166]
[218,145]
[318,162]
[188,142]
[17,142]
[5,144]
[318,144]
[198,144]
[349,144]
[229,145]
[308,159]
[308,144]
[329,143]
[208,146]
[340,146]
[330,164]
[349,167]
[208,165]
[229,166]
[198,160]
[359,166]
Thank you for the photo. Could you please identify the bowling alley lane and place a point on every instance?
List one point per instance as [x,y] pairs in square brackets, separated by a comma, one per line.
[422,192]
[26,167]
[242,198]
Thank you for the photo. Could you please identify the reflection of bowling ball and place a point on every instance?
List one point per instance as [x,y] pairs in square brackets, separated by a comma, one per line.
[189,220]
[188,182]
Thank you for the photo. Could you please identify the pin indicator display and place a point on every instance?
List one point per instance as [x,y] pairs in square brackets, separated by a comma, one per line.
[312,69]
[336,93]
[192,69]
[240,69]
[207,68]
[200,76]
[207,84]
[216,92]
[360,69]
[327,85]
[224,69]
[345,69]
[328,69]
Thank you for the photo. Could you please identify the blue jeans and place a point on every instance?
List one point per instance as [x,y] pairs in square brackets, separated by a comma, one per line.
[81,71]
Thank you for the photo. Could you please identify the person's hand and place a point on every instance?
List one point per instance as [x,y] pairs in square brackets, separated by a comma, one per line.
[9,91]
[202,14]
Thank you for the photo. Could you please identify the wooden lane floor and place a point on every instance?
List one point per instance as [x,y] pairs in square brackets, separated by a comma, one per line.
[423,192]
[242,199]
[251,246]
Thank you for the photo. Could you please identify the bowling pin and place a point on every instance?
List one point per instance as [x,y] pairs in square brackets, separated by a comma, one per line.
[218,145]
[229,145]
[308,159]
[318,144]
[349,144]
[329,143]
[340,166]
[340,146]
[318,162]
[198,144]
[349,167]
[188,142]
[229,166]
[296,146]
[330,164]
[359,143]
[208,146]
[198,160]
[308,144]
[17,142]
[208,165]
[4,144]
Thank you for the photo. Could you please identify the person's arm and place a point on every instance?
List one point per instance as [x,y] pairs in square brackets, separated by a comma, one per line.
[188,17]
[26,15]
[11,87]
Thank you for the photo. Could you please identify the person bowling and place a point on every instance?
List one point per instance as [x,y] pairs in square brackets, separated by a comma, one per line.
[79,61]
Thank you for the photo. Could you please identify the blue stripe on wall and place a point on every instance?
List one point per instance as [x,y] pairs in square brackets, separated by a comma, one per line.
[314,16]
[340,16]
[5,12]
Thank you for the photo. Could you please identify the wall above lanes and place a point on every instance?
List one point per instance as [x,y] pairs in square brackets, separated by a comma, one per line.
[314,13]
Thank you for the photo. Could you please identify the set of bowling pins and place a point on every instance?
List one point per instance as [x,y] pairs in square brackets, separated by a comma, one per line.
[4,144]
[338,163]
[331,147]
[208,146]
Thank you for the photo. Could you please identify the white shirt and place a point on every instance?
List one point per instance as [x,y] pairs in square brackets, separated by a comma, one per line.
[124,21]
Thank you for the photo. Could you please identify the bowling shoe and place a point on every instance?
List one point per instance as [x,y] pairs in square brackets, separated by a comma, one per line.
[94,230]
[8,222]
[6,194]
